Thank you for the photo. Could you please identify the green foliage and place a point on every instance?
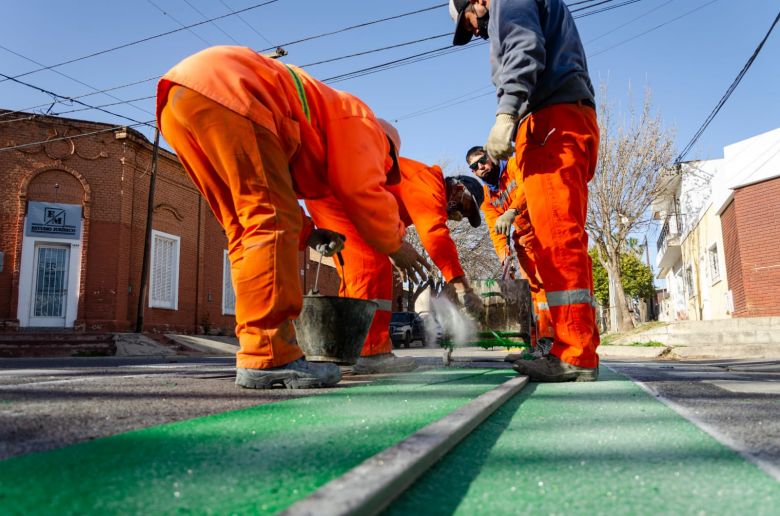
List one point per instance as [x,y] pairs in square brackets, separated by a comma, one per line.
[637,278]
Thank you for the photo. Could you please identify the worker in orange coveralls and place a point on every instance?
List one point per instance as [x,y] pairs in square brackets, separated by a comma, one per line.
[546,108]
[426,200]
[254,134]
[504,206]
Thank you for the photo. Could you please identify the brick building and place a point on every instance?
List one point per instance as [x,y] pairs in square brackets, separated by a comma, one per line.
[73,214]
[751,241]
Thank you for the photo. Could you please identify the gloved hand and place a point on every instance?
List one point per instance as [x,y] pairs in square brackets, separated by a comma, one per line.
[472,302]
[409,263]
[499,143]
[504,222]
[326,242]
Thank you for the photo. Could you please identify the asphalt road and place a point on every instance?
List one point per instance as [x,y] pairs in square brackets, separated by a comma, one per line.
[50,403]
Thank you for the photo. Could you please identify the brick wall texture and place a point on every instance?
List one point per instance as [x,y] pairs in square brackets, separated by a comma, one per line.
[110,178]
[751,238]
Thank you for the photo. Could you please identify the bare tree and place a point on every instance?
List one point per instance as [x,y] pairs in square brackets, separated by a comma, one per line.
[634,151]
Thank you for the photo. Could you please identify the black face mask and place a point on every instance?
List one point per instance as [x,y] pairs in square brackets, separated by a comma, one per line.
[491,177]
[482,25]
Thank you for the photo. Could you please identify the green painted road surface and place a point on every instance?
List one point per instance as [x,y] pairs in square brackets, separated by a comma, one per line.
[257,460]
[590,448]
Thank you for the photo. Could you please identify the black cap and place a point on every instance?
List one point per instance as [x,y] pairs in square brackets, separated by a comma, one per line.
[462,35]
[477,192]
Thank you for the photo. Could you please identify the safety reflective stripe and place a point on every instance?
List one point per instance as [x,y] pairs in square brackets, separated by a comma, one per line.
[384,304]
[301,92]
[543,306]
[569,297]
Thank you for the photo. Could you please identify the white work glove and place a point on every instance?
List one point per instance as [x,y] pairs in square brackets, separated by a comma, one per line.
[326,242]
[471,302]
[499,143]
[504,222]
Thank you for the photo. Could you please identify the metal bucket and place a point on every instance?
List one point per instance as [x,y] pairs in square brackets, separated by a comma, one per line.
[333,329]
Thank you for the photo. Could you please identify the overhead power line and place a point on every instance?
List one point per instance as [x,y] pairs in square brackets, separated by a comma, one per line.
[603,9]
[651,29]
[352,27]
[73,137]
[143,40]
[70,77]
[69,99]
[377,49]
[728,93]
[56,95]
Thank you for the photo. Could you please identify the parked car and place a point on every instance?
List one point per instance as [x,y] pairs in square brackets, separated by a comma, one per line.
[405,328]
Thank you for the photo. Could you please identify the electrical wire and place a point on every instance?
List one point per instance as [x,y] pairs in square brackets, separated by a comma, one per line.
[77,101]
[352,27]
[73,137]
[113,88]
[630,21]
[69,77]
[653,28]
[220,29]
[605,9]
[377,50]
[245,22]
[142,40]
[180,24]
[728,93]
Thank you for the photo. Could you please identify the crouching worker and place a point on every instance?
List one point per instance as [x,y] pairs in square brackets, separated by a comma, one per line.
[505,206]
[426,200]
[254,134]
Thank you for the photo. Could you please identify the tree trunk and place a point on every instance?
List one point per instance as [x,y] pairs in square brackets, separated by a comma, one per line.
[619,316]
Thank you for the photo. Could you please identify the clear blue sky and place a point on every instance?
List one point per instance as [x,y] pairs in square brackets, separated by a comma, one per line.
[688,63]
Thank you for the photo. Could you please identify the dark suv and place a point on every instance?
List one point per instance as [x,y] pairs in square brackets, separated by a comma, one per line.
[406,327]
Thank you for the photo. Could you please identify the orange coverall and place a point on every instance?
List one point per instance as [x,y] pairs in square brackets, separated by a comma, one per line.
[556,151]
[510,195]
[254,134]
[367,273]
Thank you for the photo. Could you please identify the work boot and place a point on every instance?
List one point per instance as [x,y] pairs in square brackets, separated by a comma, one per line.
[298,374]
[384,363]
[552,369]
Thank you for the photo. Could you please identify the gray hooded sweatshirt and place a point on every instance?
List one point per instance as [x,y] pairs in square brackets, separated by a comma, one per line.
[536,56]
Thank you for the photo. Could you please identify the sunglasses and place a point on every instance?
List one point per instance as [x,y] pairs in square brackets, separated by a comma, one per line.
[481,161]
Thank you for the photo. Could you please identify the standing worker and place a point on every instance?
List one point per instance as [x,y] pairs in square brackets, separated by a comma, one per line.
[505,206]
[254,134]
[425,200]
[541,78]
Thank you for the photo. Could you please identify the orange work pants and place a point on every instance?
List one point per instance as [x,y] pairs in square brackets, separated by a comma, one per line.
[556,151]
[366,273]
[244,175]
[524,247]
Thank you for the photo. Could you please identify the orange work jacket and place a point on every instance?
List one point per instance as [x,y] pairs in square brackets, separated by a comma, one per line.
[332,139]
[422,202]
[509,195]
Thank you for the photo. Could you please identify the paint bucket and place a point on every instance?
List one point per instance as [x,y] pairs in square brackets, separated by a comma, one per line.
[333,329]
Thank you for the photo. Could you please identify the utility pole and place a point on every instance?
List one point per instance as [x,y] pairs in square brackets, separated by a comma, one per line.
[651,304]
[139,320]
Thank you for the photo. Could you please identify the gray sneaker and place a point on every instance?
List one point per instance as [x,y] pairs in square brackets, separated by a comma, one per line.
[298,374]
[552,369]
[384,363]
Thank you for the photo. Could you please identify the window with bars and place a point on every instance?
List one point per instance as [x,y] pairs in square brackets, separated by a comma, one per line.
[714,263]
[228,294]
[164,271]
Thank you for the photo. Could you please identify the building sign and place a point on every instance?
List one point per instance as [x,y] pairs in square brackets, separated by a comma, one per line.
[48,219]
